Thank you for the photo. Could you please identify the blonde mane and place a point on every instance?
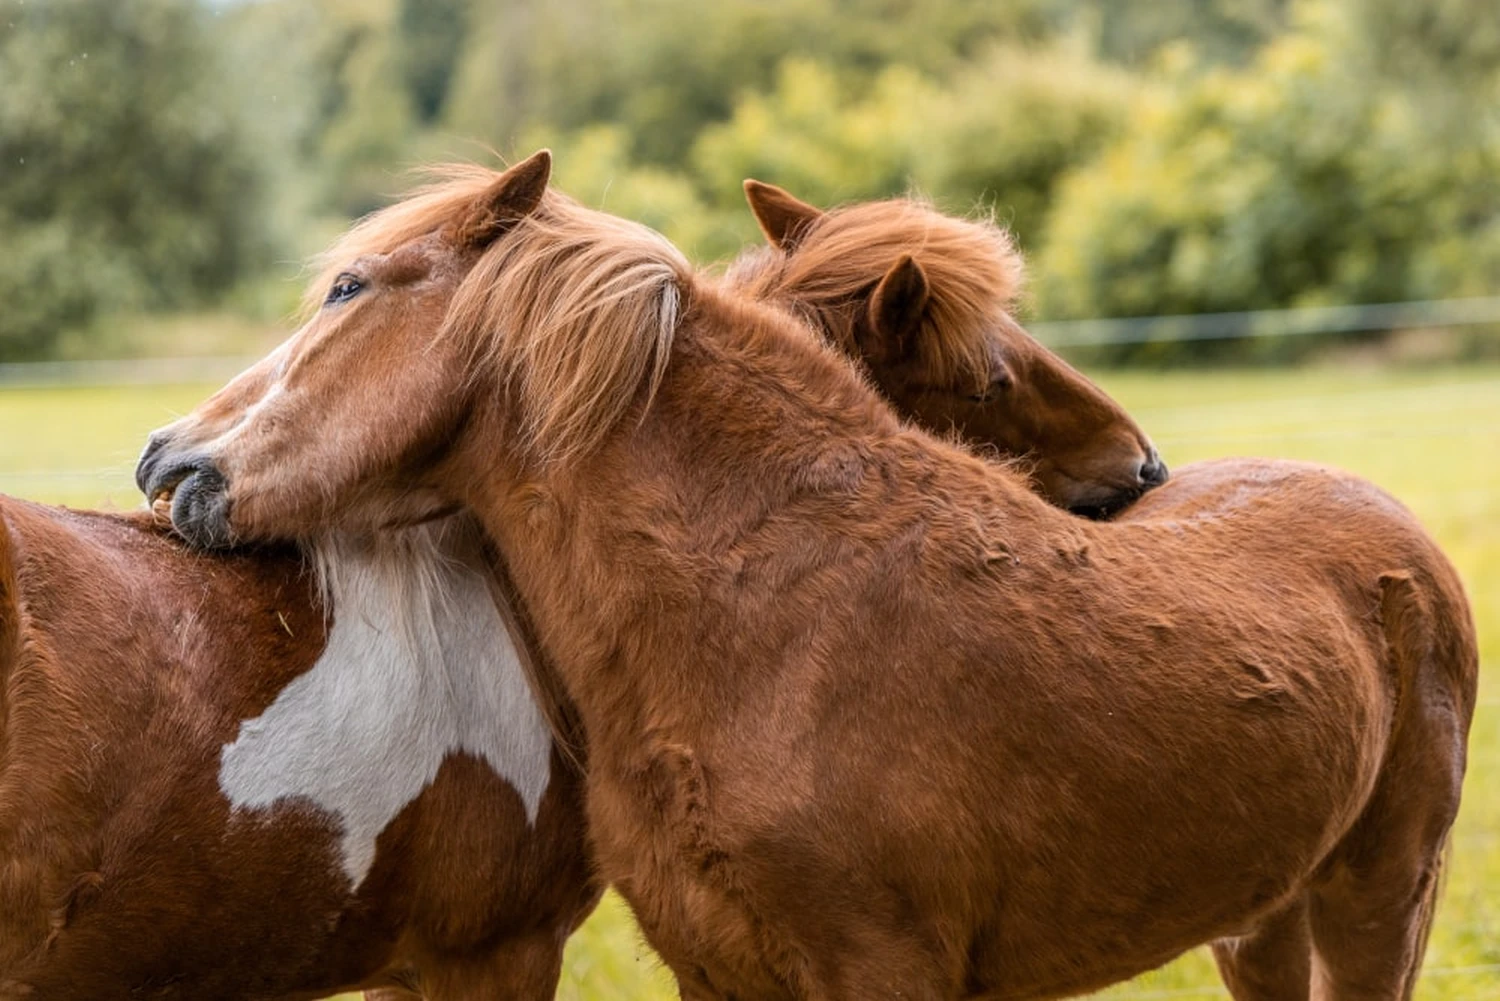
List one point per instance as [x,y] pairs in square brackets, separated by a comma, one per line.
[972,267]
[572,311]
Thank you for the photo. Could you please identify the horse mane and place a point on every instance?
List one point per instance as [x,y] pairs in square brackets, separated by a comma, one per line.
[572,311]
[973,269]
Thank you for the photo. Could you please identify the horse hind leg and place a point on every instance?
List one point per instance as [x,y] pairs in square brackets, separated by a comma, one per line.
[1271,963]
[1371,913]
[1370,930]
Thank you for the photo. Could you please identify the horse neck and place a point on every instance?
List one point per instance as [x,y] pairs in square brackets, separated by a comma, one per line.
[627,557]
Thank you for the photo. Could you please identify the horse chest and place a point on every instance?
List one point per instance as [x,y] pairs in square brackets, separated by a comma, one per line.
[409,676]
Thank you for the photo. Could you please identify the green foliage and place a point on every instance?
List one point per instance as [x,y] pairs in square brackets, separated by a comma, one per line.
[827,140]
[1000,133]
[1011,123]
[365,139]
[1294,182]
[665,69]
[593,165]
[1183,155]
[1227,31]
[431,34]
[1436,43]
[127,178]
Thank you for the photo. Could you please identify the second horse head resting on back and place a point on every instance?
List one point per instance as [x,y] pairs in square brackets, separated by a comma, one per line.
[925,303]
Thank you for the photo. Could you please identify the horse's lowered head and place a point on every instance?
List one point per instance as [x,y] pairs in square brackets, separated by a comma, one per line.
[924,301]
[442,306]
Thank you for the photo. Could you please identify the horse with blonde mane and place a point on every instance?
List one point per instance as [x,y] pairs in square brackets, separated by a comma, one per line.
[863,714]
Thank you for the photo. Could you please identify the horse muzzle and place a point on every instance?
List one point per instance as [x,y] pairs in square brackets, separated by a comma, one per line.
[1104,503]
[197,489]
[1153,472]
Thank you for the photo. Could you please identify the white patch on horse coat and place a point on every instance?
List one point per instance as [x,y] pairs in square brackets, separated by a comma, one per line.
[418,665]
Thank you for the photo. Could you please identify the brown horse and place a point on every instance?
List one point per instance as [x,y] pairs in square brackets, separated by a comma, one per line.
[270,666]
[867,274]
[864,715]
[1273,960]
[214,783]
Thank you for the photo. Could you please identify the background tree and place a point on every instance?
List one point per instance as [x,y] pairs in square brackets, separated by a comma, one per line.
[127,180]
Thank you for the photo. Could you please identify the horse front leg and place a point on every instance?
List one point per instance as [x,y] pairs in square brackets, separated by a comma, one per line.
[522,968]
[1271,963]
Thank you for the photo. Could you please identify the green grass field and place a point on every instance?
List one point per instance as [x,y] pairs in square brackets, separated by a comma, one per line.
[1431,437]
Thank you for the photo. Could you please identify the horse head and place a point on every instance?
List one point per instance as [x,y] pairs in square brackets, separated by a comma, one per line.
[925,301]
[484,295]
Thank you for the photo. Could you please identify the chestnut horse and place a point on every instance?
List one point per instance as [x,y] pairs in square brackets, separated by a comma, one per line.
[863,714]
[451,906]
[1357,519]
[214,783]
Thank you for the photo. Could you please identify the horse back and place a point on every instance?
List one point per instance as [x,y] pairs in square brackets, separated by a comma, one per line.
[1348,532]
[1400,596]
[10,610]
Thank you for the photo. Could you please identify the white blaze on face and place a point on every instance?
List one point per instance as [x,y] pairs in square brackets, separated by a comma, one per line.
[418,665]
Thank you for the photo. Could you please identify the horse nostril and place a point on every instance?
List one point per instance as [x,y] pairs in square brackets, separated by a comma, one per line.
[1153,472]
[143,466]
[162,472]
[200,507]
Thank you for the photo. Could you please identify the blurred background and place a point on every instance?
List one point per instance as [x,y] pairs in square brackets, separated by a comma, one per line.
[159,157]
[1269,227]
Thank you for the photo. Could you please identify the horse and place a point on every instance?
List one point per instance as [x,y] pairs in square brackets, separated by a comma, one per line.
[450,906]
[862,712]
[865,276]
[272,775]
[1273,960]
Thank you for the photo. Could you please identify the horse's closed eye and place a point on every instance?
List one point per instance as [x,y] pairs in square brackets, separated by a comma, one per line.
[346,287]
[1000,381]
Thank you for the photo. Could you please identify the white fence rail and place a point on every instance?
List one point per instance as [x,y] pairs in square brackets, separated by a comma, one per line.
[1301,322]
[1265,323]
[133,372]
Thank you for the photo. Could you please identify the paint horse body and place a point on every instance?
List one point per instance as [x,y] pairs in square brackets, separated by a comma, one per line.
[206,790]
[864,715]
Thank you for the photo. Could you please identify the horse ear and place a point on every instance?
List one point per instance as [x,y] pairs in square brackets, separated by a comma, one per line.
[784,219]
[513,196]
[896,310]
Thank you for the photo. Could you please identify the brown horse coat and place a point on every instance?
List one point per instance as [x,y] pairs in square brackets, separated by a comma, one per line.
[130,670]
[872,735]
[864,715]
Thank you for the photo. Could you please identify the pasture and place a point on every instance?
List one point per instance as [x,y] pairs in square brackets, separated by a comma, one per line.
[1430,436]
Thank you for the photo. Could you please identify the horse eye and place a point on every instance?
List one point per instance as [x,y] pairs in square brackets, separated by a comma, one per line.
[1000,381]
[346,287]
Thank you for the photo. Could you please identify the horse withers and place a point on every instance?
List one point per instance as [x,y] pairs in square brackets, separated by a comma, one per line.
[862,712]
[269,775]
